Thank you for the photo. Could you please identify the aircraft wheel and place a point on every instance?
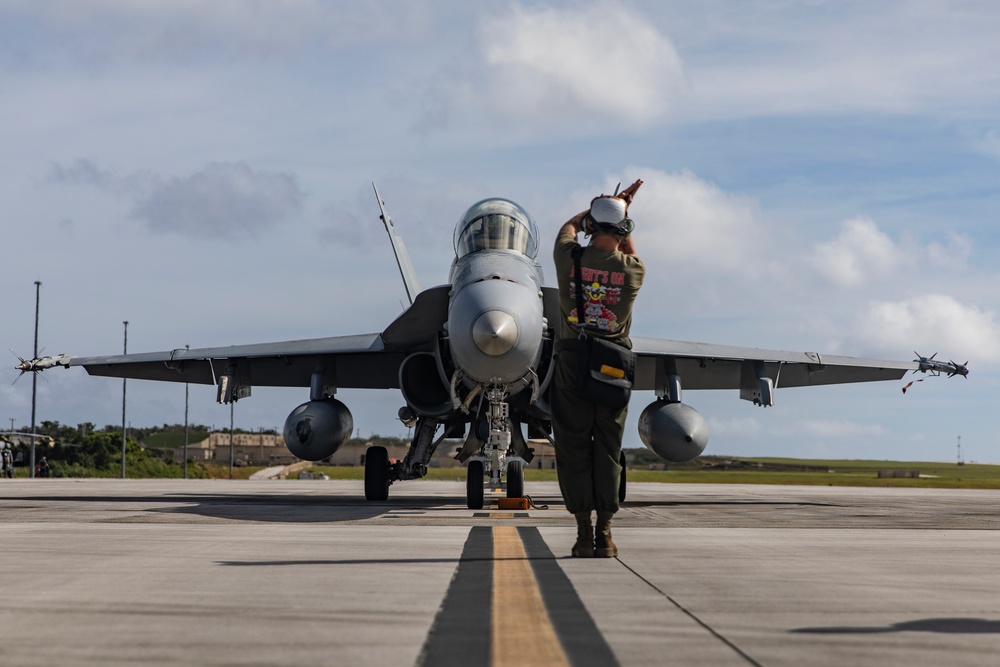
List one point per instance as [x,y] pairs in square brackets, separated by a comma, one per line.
[474,485]
[377,473]
[515,479]
[621,482]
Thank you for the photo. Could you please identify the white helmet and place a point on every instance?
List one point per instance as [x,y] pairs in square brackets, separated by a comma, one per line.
[609,215]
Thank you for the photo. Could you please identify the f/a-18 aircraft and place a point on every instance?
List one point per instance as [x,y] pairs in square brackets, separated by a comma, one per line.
[473,361]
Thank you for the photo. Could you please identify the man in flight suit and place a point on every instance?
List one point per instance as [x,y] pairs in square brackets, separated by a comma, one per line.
[588,435]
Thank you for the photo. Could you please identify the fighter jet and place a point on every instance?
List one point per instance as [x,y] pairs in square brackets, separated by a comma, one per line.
[473,361]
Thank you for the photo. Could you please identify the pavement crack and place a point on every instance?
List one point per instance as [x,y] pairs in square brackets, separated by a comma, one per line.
[690,614]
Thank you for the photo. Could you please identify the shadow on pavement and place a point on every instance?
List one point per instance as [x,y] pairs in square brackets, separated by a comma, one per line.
[958,626]
[314,508]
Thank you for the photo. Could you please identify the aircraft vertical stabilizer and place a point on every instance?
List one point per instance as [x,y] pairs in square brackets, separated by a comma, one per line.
[402,257]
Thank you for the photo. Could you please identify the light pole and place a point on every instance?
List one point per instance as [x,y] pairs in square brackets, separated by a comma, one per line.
[186,389]
[231,405]
[124,383]
[34,381]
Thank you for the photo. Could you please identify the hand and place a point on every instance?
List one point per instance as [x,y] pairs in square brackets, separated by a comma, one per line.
[628,193]
[627,245]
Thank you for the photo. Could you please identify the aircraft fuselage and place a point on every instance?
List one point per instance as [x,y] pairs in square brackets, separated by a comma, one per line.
[495,317]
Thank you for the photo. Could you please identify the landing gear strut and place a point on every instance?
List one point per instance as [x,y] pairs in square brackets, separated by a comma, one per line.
[493,456]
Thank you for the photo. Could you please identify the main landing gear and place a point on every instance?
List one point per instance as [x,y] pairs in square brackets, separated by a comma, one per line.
[377,473]
[474,485]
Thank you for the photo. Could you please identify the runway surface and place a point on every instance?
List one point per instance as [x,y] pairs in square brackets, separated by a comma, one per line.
[154,572]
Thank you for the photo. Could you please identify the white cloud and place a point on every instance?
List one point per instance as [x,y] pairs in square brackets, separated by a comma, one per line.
[557,70]
[931,323]
[692,223]
[861,252]
[599,59]
[947,255]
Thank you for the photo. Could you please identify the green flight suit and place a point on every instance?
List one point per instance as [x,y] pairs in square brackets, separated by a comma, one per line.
[588,436]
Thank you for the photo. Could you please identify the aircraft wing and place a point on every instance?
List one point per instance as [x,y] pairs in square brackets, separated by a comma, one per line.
[366,361]
[354,361]
[708,366]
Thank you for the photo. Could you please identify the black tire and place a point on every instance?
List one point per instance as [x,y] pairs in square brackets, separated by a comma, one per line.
[621,482]
[377,473]
[515,479]
[474,485]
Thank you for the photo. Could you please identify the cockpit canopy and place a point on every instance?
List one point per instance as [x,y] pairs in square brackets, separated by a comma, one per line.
[496,224]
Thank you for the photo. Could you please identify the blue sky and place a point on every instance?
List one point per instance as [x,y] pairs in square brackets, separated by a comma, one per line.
[820,176]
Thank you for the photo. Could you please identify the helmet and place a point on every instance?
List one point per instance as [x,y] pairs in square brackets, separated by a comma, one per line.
[608,215]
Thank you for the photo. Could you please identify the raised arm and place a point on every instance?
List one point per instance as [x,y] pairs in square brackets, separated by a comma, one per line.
[574,225]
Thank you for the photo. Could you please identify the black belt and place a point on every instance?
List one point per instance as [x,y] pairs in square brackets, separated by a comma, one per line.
[568,344]
[565,344]
[575,344]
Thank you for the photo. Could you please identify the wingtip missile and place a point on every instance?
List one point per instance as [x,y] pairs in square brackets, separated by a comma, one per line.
[934,367]
[42,363]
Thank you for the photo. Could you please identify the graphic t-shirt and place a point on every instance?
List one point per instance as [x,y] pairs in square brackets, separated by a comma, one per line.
[610,279]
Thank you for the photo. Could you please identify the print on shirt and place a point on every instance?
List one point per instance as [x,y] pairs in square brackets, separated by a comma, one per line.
[598,296]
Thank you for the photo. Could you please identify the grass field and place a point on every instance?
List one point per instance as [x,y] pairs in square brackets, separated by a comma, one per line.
[169,440]
[933,475]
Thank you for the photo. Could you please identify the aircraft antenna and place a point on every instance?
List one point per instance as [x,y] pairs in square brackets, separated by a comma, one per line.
[402,257]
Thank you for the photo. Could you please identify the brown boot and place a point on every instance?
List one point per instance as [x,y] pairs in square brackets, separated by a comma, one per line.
[584,547]
[603,546]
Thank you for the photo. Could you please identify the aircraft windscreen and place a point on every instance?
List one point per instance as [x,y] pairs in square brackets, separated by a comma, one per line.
[496,224]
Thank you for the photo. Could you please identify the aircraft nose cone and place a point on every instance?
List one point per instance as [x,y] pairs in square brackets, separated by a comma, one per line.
[494,332]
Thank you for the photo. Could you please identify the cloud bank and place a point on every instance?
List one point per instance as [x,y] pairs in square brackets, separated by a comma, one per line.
[224,200]
[599,59]
[566,69]
[931,323]
[220,201]
[694,224]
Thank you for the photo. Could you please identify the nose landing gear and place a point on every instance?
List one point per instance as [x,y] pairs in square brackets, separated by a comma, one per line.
[496,456]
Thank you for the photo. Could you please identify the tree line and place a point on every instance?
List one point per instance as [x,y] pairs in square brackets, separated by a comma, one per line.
[88,451]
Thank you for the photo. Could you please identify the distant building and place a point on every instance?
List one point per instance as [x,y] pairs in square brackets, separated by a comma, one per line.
[15,438]
[253,449]
[263,449]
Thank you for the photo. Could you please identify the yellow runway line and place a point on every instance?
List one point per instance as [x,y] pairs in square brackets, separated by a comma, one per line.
[522,634]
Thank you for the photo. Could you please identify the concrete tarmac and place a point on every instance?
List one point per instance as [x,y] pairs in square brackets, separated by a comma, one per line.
[174,572]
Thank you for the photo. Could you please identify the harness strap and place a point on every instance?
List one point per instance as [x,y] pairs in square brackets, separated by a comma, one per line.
[580,318]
